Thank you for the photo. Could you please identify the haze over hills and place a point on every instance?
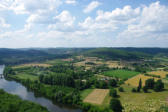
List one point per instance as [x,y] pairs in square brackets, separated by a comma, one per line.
[17,56]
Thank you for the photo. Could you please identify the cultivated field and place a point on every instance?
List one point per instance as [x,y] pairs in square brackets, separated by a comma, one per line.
[68,59]
[26,76]
[96,62]
[113,64]
[162,74]
[56,61]
[33,64]
[134,81]
[85,93]
[123,74]
[97,96]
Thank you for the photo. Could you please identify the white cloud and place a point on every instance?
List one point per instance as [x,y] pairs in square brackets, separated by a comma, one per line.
[119,15]
[111,21]
[5,4]
[150,28]
[63,21]
[70,1]
[39,11]
[30,6]
[3,23]
[34,6]
[152,19]
[91,6]
[144,26]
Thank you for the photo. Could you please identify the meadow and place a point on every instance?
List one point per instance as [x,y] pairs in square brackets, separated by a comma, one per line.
[143,102]
[134,81]
[140,102]
[113,64]
[122,74]
[162,74]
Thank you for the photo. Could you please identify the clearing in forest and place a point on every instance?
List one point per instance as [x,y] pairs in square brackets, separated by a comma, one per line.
[123,74]
[97,96]
[134,81]
[162,74]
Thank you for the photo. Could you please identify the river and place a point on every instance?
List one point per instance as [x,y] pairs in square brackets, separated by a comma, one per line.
[16,88]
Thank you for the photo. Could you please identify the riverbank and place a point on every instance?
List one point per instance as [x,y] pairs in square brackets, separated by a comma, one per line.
[12,103]
[58,94]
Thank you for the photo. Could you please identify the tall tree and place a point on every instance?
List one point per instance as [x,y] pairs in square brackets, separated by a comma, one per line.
[139,86]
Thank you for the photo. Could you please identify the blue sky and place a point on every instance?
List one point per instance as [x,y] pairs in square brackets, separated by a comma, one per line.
[83,23]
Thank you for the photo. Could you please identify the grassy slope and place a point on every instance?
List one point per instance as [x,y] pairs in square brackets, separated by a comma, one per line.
[123,74]
[27,76]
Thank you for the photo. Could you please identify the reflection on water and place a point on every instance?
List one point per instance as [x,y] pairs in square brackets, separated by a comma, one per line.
[18,89]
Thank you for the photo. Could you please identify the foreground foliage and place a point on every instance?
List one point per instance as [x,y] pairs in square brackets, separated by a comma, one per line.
[12,103]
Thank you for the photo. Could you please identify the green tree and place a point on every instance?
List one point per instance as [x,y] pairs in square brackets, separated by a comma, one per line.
[145,89]
[139,86]
[133,90]
[113,92]
[149,83]
[113,83]
[115,105]
[41,78]
[121,89]
[159,85]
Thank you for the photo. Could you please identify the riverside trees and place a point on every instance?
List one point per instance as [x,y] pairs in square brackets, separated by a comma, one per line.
[12,103]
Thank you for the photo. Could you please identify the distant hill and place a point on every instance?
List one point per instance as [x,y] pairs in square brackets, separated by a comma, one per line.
[117,53]
[26,55]
[19,56]
[152,51]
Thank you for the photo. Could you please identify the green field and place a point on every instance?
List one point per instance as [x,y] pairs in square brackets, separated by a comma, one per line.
[123,74]
[27,76]
[140,102]
[56,61]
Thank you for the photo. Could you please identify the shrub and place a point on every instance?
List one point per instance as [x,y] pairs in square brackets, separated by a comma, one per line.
[113,92]
[145,89]
[159,85]
[121,89]
[115,105]
[133,90]
[113,83]
[149,83]
[166,75]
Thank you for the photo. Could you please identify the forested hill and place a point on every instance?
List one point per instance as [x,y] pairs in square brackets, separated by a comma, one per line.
[116,53]
[19,56]
[153,51]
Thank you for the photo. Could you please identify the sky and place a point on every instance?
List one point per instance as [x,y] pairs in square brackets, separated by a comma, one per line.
[83,23]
